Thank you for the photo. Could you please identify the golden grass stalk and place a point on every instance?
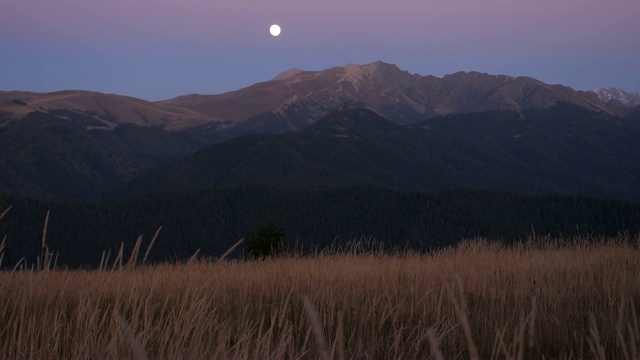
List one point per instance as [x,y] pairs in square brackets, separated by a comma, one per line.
[18,264]
[634,333]
[117,263]
[532,322]
[597,349]
[44,248]
[104,259]
[44,230]
[2,246]
[153,241]
[138,350]
[193,258]
[5,212]
[460,307]
[316,326]
[230,250]
[435,349]
[339,345]
[131,264]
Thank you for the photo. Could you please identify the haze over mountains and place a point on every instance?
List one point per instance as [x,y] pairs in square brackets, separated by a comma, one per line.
[79,144]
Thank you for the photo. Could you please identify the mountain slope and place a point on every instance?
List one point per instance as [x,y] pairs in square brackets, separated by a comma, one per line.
[44,156]
[564,149]
[108,110]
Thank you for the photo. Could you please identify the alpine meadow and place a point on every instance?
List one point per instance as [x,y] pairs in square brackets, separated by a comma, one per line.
[543,298]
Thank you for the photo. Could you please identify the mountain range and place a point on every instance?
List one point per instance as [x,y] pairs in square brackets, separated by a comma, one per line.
[295,99]
[466,129]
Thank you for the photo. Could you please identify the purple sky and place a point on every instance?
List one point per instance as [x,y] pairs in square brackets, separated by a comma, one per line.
[158,49]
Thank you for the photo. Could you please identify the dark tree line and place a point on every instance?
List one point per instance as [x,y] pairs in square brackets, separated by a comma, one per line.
[214,220]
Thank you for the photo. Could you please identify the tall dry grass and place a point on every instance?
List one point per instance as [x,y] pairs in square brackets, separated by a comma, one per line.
[542,299]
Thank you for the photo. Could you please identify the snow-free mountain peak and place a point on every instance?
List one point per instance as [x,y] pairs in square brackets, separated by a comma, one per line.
[289,74]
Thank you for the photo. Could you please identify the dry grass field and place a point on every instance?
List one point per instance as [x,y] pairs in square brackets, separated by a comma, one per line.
[545,298]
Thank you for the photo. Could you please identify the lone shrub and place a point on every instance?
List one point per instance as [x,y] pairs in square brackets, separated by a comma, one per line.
[268,240]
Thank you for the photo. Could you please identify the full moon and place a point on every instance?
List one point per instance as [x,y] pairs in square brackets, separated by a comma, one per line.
[274,30]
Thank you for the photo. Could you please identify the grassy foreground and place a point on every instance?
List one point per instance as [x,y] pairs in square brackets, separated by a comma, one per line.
[546,298]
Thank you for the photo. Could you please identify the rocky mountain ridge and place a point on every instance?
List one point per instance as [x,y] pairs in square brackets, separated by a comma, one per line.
[296,99]
[613,94]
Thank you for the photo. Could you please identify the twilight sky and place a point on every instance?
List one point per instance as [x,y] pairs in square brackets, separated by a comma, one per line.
[159,49]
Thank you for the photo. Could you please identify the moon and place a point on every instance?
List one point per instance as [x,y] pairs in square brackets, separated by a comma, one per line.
[275,30]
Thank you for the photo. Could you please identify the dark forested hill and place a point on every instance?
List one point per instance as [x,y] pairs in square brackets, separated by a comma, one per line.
[561,150]
[213,220]
[60,154]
